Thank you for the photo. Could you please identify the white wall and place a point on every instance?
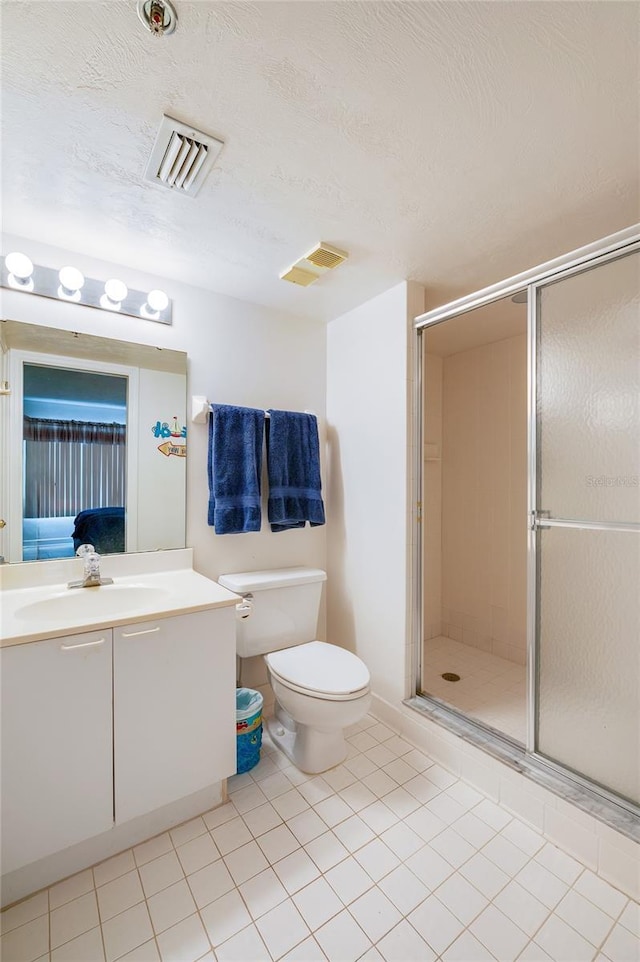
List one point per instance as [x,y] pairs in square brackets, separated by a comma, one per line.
[367,423]
[239,353]
[161,477]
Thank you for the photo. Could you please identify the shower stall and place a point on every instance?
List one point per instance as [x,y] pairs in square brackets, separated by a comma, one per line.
[527,558]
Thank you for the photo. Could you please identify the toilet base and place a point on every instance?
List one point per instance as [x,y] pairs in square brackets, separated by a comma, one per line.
[310,750]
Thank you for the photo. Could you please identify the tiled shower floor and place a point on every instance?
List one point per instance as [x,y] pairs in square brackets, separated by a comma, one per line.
[491,689]
[387,856]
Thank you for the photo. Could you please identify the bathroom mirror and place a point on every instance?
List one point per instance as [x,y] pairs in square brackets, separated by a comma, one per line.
[94,436]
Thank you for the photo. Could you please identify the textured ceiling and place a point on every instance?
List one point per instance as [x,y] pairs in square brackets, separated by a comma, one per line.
[452,143]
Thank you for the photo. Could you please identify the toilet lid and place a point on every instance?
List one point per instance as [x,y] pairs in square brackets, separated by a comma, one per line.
[319,667]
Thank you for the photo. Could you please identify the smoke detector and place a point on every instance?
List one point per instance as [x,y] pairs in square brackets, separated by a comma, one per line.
[181,157]
[316,262]
[158,16]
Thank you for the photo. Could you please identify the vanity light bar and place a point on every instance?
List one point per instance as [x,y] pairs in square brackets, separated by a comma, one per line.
[19,273]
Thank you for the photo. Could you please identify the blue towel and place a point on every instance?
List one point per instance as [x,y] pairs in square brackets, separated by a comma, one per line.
[234,467]
[293,459]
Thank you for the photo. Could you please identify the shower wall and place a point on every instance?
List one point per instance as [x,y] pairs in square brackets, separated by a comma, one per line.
[476,497]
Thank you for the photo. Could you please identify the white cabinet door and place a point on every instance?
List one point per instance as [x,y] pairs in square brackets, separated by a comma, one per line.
[56,764]
[174,708]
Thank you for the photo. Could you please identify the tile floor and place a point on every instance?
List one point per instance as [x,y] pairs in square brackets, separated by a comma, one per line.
[491,689]
[387,856]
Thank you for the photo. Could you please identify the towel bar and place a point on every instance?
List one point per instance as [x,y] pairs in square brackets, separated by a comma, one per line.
[200,407]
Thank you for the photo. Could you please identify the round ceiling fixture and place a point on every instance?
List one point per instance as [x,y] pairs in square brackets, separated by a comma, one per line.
[158,16]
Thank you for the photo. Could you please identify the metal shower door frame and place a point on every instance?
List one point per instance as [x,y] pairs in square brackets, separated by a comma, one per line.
[532,281]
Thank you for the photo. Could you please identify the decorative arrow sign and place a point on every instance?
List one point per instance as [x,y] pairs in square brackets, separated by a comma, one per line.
[168,448]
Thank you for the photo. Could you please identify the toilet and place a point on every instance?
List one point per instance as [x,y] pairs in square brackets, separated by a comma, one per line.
[320,689]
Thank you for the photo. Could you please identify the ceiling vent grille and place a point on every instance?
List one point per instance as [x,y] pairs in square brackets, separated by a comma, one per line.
[181,157]
[314,264]
[326,257]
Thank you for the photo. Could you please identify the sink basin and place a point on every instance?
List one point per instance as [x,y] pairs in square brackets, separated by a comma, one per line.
[91,603]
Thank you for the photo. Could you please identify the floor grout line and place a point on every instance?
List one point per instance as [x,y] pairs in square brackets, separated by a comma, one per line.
[442,785]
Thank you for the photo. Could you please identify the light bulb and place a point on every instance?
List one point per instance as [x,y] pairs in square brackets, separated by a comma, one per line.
[19,265]
[157,300]
[116,290]
[71,279]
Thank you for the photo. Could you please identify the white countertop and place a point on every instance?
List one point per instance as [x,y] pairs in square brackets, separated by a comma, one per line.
[54,610]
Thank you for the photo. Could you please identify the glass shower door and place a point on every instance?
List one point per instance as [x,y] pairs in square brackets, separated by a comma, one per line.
[587,520]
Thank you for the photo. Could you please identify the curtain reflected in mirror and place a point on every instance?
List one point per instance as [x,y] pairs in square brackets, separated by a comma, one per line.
[75,434]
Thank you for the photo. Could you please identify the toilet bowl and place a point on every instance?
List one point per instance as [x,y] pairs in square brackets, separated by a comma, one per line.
[320,689]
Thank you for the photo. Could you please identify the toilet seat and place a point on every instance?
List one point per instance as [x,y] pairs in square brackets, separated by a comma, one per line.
[320,670]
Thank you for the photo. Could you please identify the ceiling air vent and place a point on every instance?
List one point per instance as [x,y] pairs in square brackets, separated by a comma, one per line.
[314,264]
[326,257]
[181,157]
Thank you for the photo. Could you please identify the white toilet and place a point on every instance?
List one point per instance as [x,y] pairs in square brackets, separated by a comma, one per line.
[320,689]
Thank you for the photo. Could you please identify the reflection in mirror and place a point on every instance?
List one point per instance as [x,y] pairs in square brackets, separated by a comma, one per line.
[475,514]
[97,442]
[74,461]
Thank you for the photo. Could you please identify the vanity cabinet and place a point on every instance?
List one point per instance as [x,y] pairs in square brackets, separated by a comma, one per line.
[100,727]
[174,708]
[56,742]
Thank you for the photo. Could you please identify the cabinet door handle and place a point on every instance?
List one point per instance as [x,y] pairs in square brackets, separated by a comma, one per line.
[84,644]
[146,631]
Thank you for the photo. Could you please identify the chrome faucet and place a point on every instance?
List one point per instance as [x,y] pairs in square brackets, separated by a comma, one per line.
[92,577]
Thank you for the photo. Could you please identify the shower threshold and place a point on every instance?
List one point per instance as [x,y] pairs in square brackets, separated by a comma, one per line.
[619,814]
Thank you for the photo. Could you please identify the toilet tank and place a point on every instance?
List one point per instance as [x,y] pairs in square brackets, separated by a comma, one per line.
[285,603]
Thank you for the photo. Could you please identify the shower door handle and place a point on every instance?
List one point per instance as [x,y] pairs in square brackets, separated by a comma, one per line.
[542,521]
[537,520]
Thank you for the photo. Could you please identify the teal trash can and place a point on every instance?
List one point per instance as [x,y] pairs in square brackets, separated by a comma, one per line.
[248,728]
